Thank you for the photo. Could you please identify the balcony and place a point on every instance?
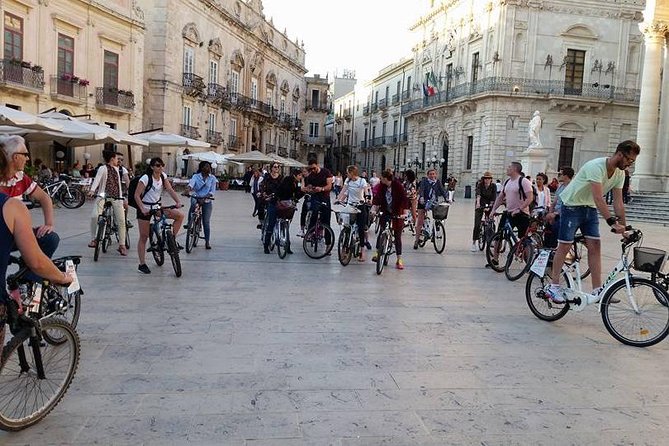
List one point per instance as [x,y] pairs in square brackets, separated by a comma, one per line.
[406,95]
[317,106]
[347,114]
[189,131]
[283,151]
[114,99]
[532,88]
[68,88]
[375,107]
[365,110]
[314,140]
[218,95]
[234,143]
[395,99]
[21,76]
[194,85]
[214,138]
[363,144]
[380,141]
[383,103]
[293,153]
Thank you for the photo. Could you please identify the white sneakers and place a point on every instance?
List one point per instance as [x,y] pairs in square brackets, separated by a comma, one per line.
[474,247]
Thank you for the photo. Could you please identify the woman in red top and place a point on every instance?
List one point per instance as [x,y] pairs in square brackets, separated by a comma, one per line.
[392,201]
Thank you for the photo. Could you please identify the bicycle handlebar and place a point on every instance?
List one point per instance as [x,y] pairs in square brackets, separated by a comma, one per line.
[208,197]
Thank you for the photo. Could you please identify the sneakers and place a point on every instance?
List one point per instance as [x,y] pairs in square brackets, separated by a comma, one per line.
[128,224]
[399,264]
[301,233]
[186,226]
[144,269]
[266,249]
[368,245]
[474,247]
[554,294]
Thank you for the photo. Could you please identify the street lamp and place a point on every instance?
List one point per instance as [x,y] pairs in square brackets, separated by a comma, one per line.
[415,163]
[434,161]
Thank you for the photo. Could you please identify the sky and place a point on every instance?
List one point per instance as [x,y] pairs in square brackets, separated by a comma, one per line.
[360,35]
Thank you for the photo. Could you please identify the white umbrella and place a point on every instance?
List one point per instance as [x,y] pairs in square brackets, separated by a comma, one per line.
[211,156]
[122,137]
[16,118]
[253,156]
[170,139]
[289,162]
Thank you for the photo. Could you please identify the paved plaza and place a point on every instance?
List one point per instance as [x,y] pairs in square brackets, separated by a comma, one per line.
[249,349]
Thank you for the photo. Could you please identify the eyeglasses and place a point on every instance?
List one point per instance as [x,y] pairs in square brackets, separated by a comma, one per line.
[26,154]
[629,159]
[158,165]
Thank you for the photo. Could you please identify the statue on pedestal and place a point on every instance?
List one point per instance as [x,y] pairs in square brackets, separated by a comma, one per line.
[534,130]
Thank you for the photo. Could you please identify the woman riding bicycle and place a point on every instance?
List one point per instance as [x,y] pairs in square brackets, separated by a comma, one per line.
[290,192]
[412,192]
[145,197]
[107,185]
[429,191]
[269,192]
[392,201]
[202,185]
[486,193]
[353,192]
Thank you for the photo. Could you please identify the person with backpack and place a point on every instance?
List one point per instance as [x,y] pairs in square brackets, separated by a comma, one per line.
[429,191]
[146,191]
[518,194]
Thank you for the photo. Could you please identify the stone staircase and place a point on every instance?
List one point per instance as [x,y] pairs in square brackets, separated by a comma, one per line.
[649,207]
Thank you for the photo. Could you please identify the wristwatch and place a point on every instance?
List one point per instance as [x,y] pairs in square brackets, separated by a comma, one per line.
[611,221]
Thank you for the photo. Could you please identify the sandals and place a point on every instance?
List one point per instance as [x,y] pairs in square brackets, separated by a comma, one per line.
[93,244]
[123,252]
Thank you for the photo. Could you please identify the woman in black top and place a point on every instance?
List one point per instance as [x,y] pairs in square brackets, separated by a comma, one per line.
[486,193]
[290,192]
[269,189]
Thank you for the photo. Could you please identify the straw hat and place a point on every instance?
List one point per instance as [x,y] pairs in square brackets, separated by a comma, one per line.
[487,174]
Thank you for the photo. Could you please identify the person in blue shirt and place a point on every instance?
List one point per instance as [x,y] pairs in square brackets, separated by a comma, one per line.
[202,185]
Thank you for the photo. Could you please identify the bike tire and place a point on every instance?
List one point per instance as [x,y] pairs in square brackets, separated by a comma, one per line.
[344,252]
[519,260]
[127,238]
[481,239]
[70,315]
[191,235]
[22,389]
[654,300]
[157,244]
[497,241]
[72,197]
[540,305]
[173,251]
[198,231]
[382,253]
[439,237]
[282,240]
[315,246]
[99,239]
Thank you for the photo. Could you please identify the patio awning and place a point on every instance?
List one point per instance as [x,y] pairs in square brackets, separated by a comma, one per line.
[253,156]
[23,120]
[171,140]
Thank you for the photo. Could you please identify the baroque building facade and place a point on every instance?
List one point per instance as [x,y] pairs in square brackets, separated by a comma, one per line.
[219,71]
[81,58]
[482,68]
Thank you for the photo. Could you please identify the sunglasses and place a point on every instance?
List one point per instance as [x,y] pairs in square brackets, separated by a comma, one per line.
[158,165]
[275,166]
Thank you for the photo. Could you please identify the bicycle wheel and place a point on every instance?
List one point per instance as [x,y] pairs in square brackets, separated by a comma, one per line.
[62,307]
[382,253]
[198,231]
[282,239]
[314,242]
[99,238]
[645,327]
[173,251]
[72,197]
[494,246]
[481,238]
[106,241]
[127,238]
[439,237]
[156,247]
[519,260]
[540,305]
[344,252]
[582,251]
[25,397]
[191,235]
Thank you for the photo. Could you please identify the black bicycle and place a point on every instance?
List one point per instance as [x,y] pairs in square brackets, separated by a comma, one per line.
[34,374]
[161,239]
[108,227]
[195,227]
[488,228]
[319,238]
[386,242]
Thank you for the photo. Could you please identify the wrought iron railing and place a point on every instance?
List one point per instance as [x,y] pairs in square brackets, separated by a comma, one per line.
[105,96]
[214,137]
[71,88]
[218,95]
[14,72]
[319,106]
[234,141]
[363,144]
[395,99]
[316,140]
[406,95]
[365,110]
[194,85]
[526,87]
[293,153]
[383,103]
[189,131]
[270,148]
[283,151]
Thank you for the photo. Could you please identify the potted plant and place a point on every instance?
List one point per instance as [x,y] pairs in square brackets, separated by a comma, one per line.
[37,69]
[25,64]
[66,77]
[223,181]
[83,82]
[74,79]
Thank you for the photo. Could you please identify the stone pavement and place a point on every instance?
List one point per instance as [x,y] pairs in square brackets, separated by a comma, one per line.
[248,349]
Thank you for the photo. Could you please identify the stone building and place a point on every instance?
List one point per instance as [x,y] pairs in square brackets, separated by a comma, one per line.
[482,68]
[317,106]
[82,58]
[221,72]
[652,167]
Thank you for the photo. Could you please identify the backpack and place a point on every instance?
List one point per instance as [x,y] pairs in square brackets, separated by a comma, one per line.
[132,187]
[521,192]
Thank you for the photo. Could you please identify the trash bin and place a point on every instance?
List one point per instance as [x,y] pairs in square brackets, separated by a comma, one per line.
[468,191]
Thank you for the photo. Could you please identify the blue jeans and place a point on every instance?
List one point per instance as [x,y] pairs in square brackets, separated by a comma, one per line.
[573,218]
[48,244]
[207,209]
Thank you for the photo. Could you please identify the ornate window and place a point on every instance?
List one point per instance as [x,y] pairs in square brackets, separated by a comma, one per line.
[13,37]
[65,54]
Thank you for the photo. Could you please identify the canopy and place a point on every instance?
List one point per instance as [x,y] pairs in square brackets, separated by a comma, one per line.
[253,156]
[16,118]
[121,136]
[171,139]
[289,162]
[210,156]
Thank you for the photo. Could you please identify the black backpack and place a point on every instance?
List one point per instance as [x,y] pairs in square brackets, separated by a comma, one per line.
[521,192]
[132,187]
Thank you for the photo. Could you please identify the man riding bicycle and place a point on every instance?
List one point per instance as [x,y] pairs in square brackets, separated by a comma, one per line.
[319,184]
[486,194]
[581,200]
[429,191]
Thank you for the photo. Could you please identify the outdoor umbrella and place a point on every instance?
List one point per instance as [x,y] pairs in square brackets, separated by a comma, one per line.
[289,162]
[171,140]
[253,156]
[122,137]
[210,156]
[16,118]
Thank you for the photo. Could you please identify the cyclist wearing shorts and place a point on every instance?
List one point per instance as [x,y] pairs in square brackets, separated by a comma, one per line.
[581,200]
[202,185]
[392,200]
[107,185]
[353,193]
[145,198]
[429,191]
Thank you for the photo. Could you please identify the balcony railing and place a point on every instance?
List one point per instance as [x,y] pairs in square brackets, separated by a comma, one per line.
[112,97]
[21,75]
[396,99]
[396,139]
[218,95]
[234,142]
[189,131]
[194,85]
[526,87]
[406,95]
[68,88]
[315,140]
[383,103]
[283,151]
[380,141]
[365,110]
[214,137]
[293,154]
[318,106]
[363,144]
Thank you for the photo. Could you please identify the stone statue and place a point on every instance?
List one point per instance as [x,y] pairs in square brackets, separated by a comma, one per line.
[534,130]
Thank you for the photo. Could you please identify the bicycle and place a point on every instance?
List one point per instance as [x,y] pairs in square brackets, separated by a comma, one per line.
[629,297]
[195,227]
[34,375]
[71,197]
[410,223]
[521,252]
[348,244]
[319,239]
[435,231]
[488,228]
[48,300]
[284,215]
[385,243]
[108,226]
[162,239]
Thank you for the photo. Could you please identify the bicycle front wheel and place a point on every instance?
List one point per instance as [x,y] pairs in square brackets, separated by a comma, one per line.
[481,238]
[540,305]
[647,325]
[282,239]
[62,307]
[156,247]
[494,248]
[519,259]
[99,238]
[173,251]
[382,254]
[439,237]
[344,252]
[314,242]
[34,376]
[191,235]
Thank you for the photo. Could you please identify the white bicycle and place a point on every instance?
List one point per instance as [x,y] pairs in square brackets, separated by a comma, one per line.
[635,310]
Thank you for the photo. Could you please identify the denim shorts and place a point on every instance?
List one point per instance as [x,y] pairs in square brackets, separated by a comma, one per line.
[573,218]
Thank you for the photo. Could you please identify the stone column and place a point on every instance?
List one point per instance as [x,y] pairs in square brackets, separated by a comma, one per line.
[663,143]
[644,178]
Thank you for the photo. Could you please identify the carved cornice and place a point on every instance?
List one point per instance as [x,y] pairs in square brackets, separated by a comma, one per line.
[614,12]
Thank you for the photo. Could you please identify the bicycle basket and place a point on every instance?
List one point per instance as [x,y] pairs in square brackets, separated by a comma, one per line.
[649,260]
[440,211]
[285,210]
